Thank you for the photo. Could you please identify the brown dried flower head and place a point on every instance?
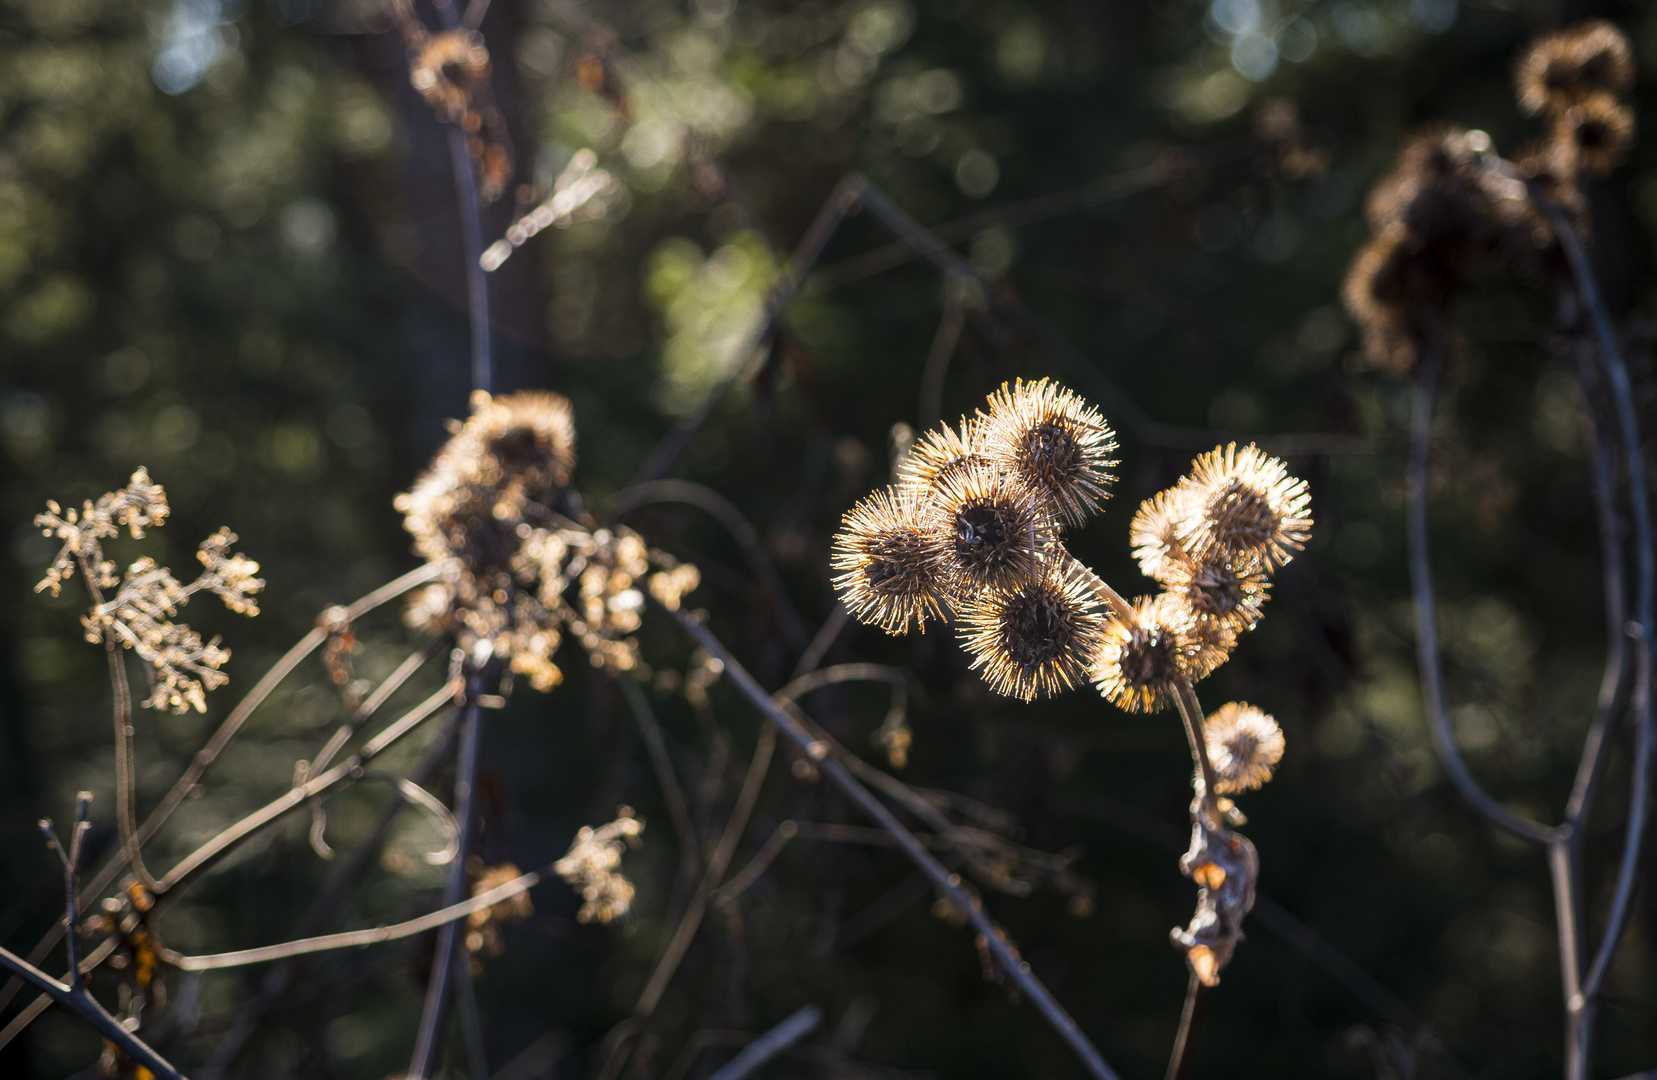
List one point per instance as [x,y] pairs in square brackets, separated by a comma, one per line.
[1560,69]
[1220,588]
[1154,533]
[593,866]
[1596,134]
[938,454]
[1244,746]
[448,70]
[1141,658]
[888,563]
[1042,637]
[1245,502]
[1054,440]
[1397,299]
[995,526]
[1204,644]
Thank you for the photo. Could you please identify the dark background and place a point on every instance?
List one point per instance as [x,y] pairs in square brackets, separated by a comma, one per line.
[229,251]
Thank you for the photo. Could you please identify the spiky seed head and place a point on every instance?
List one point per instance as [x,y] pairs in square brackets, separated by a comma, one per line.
[1204,644]
[1395,297]
[1220,588]
[1560,69]
[996,529]
[939,454]
[1056,441]
[1244,746]
[1041,637]
[1141,658]
[1246,503]
[1596,133]
[1154,532]
[889,563]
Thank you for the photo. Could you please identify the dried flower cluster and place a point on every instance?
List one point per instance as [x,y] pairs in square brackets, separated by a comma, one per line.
[496,505]
[593,866]
[1212,541]
[970,532]
[1452,212]
[483,927]
[450,70]
[180,665]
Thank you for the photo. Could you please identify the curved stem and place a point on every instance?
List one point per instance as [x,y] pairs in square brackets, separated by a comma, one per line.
[1640,628]
[1190,711]
[1432,677]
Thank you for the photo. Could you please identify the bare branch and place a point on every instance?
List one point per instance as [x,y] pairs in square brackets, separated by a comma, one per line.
[83,1005]
[772,1043]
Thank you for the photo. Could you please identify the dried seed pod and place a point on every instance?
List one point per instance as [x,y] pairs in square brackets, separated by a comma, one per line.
[1154,532]
[1245,502]
[1141,658]
[1596,134]
[1558,70]
[938,454]
[889,563]
[1244,746]
[1039,638]
[1219,588]
[995,527]
[1054,440]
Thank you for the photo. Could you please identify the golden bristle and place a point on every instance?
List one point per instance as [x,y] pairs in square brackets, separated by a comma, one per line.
[1560,69]
[1222,589]
[1154,532]
[995,528]
[1596,133]
[889,564]
[1054,440]
[1205,644]
[1141,658]
[1245,501]
[1039,638]
[1244,747]
[938,454]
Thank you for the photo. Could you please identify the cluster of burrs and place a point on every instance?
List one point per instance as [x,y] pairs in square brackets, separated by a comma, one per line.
[972,534]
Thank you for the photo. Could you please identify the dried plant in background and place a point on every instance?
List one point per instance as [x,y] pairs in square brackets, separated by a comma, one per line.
[1455,211]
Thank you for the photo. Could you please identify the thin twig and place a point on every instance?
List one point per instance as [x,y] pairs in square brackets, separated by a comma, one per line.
[938,356]
[741,530]
[772,1043]
[823,640]
[333,893]
[656,747]
[994,939]
[353,938]
[1190,1020]
[85,1006]
[839,202]
[296,796]
[437,990]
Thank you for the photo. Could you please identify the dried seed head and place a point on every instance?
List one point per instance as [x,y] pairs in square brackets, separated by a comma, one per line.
[1244,746]
[889,563]
[1155,531]
[1054,440]
[939,454]
[1596,134]
[1558,70]
[1039,638]
[995,527]
[1219,589]
[1246,503]
[1204,644]
[1140,658]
